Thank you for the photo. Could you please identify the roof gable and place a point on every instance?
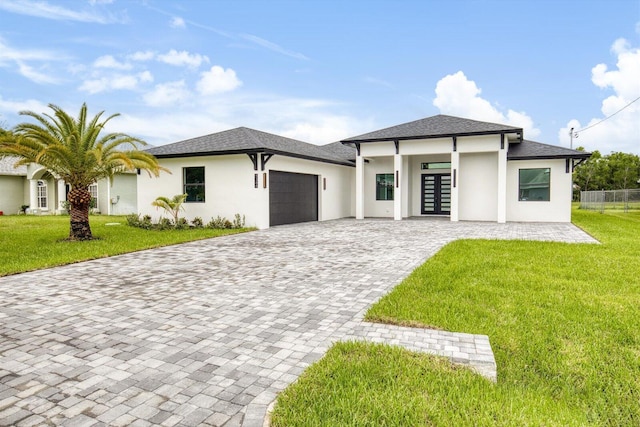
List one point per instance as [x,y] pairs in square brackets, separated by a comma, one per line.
[434,127]
[245,140]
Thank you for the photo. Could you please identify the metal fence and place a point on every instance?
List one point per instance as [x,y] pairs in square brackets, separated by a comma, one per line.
[600,200]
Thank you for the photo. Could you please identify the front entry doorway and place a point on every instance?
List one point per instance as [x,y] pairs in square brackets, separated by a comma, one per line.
[436,194]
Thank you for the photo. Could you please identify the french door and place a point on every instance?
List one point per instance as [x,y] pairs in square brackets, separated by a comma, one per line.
[436,194]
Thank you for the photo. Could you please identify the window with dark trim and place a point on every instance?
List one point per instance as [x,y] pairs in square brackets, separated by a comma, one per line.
[193,183]
[384,186]
[534,185]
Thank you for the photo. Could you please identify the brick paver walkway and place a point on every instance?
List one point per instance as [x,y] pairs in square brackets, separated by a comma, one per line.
[207,333]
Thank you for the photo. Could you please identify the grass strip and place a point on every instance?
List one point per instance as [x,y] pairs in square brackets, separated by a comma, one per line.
[563,322]
[35,242]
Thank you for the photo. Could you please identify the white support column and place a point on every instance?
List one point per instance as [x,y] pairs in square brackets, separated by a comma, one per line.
[502,186]
[455,183]
[109,205]
[399,186]
[405,187]
[359,187]
[33,194]
[60,193]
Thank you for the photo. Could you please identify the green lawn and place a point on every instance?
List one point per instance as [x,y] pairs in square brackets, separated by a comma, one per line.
[34,242]
[564,324]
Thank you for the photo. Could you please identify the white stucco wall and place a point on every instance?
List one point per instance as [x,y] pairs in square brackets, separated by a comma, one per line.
[377,208]
[557,209]
[229,187]
[477,187]
[123,190]
[12,194]
[479,143]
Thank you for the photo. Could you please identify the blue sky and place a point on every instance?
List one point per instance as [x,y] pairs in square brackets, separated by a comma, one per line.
[321,71]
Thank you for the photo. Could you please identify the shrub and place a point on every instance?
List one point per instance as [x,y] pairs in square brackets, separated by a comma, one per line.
[238,222]
[182,224]
[217,222]
[164,224]
[197,222]
[134,220]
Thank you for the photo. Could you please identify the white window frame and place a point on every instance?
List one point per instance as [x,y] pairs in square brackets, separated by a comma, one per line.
[42,193]
[93,190]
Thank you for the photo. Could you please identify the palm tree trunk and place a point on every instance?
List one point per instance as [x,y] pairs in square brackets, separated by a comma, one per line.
[79,201]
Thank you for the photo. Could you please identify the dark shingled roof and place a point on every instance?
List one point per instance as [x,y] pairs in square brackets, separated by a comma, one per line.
[244,140]
[528,150]
[434,127]
[345,152]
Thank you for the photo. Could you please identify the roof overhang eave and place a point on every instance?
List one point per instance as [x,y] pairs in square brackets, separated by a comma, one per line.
[517,131]
[551,157]
[253,151]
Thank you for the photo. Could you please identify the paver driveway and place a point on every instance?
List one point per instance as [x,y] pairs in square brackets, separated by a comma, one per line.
[204,333]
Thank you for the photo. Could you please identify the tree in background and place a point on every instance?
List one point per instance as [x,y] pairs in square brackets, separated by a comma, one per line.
[614,171]
[624,171]
[76,151]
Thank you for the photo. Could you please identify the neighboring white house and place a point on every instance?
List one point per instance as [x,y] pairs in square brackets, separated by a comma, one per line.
[440,165]
[37,188]
[13,189]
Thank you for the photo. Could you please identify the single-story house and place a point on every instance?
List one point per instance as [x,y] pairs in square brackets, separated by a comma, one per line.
[442,165]
[36,187]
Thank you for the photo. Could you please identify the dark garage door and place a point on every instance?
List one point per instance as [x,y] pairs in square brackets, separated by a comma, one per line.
[293,197]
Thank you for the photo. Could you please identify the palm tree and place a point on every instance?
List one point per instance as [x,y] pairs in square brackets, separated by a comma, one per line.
[171,205]
[75,151]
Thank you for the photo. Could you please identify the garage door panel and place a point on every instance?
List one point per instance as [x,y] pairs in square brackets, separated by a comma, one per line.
[293,197]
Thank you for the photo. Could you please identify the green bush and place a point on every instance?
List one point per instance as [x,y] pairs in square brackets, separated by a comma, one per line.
[182,224]
[197,222]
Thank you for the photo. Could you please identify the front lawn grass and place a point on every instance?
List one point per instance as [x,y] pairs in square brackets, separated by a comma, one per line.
[563,321]
[34,242]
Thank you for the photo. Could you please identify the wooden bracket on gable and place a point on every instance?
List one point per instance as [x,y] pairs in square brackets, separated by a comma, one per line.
[254,160]
[455,143]
[358,148]
[397,144]
[264,158]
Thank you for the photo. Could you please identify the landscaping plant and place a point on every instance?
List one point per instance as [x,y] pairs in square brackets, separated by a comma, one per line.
[77,151]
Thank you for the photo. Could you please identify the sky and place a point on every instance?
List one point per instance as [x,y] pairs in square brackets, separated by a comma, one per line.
[322,71]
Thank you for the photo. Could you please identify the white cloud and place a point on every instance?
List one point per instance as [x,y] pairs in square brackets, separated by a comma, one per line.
[13,107]
[18,57]
[116,82]
[182,58]
[320,129]
[177,22]
[35,76]
[456,95]
[42,9]
[620,132]
[273,46]
[166,94]
[7,53]
[142,56]
[217,80]
[94,2]
[108,61]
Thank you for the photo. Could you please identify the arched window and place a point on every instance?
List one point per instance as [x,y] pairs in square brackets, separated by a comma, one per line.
[42,194]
